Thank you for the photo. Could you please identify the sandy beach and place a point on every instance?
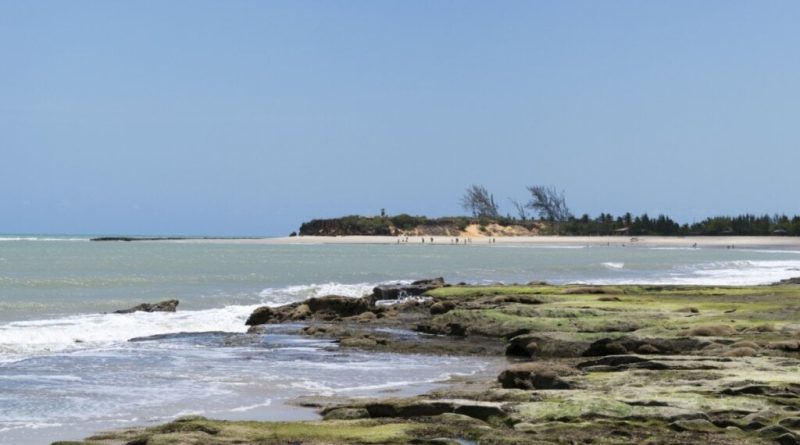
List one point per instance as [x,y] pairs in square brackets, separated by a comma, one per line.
[718,242]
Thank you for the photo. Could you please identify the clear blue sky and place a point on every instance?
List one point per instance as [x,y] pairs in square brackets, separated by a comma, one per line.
[249,117]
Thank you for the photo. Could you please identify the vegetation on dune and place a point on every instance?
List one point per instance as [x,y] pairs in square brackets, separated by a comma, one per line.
[603,225]
[401,224]
[555,218]
[480,202]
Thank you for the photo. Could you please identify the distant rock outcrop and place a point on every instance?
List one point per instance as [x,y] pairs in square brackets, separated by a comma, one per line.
[408,225]
[163,306]
[346,226]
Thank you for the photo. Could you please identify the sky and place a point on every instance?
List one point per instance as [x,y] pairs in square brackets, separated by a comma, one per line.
[250,117]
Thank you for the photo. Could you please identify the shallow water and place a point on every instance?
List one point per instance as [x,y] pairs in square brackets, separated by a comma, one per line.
[220,375]
[42,279]
[67,369]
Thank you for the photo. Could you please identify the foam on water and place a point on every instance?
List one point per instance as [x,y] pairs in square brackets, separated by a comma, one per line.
[22,339]
[26,338]
[291,294]
[240,409]
[746,272]
[225,375]
[715,273]
[39,238]
[614,266]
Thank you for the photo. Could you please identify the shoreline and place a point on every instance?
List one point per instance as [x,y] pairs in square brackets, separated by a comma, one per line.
[693,364]
[717,242]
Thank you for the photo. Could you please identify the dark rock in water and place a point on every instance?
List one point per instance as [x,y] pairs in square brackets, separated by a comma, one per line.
[181,336]
[394,291]
[337,306]
[322,308]
[163,306]
[261,315]
[114,238]
[438,282]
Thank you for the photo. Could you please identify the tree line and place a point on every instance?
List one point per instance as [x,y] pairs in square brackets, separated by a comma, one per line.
[551,208]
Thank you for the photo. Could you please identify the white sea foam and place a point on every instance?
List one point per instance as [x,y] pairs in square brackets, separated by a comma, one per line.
[21,339]
[39,238]
[717,273]
[29,426]
[773,251]
[384,386]
[614,266]
[24,338]
[317,387]
[747,272]
[239,409]
[283,295]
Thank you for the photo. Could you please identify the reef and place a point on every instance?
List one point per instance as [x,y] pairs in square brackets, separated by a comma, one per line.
[586,364]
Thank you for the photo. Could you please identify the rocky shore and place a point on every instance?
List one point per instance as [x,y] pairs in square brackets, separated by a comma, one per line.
[586,364]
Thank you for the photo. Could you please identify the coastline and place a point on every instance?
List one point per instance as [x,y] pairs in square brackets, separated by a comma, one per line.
[716,242]
[629,363]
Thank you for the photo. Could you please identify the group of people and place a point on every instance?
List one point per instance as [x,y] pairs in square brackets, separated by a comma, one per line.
[464,241]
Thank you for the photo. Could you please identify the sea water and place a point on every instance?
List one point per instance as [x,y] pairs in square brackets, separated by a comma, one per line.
[70,367]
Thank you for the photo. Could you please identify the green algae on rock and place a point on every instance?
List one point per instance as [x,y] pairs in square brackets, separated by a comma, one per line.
[589,364]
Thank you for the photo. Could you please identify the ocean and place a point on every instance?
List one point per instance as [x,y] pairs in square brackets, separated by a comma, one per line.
[69,367]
